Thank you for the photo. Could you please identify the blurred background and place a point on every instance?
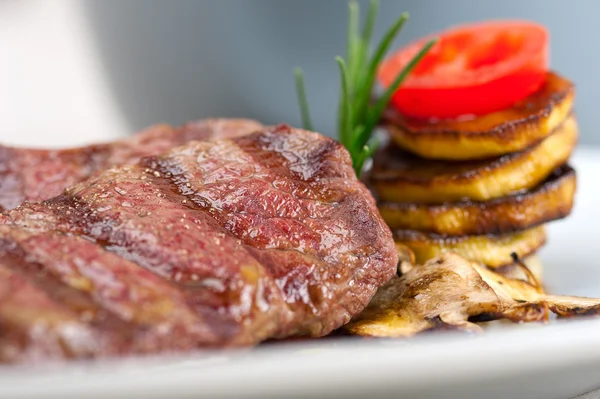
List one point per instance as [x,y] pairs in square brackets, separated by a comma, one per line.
[75,71]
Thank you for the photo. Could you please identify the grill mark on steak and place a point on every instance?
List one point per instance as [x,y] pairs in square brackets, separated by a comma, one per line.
[298,157]
[72,300]
[169,240]
[269,217]
[41,174]
[14,258]
[134,310]
[263,236]
[37,174]
[33,327]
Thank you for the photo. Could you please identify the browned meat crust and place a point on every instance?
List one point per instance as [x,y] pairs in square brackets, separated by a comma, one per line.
[216,243]
[36,175]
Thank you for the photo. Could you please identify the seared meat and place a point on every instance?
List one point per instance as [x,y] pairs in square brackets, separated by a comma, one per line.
[216,243]
[36,175]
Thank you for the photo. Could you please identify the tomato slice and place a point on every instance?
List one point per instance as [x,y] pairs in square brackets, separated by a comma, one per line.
[472,70]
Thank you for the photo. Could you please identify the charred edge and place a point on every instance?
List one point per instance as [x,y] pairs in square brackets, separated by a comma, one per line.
[515,258]
[267,148]
[484,317]
[500,224]
[438,325]
[504,131]
[14,258]
[531,279]
[405,236]
[566,312]
[554,181]
[74,212]
[472,167]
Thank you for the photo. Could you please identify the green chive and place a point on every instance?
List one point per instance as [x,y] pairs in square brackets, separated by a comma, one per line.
[376,112]
[366,153]
[345,109]
[370,22]
[367,34]
[365,92]
[353,40]
[357,118]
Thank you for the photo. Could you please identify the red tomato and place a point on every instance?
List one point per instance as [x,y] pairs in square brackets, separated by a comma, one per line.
[473,69]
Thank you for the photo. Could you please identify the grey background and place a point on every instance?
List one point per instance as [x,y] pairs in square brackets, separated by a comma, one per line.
[178,60]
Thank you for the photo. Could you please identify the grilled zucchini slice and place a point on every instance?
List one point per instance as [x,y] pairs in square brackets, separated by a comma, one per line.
[398,176]
[494,134]
[491,250]
[551,200]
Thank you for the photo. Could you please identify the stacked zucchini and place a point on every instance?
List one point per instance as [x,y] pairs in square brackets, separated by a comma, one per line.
[482,186]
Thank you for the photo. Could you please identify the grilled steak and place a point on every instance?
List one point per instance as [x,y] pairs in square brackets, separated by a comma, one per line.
[36,175]
[216,243]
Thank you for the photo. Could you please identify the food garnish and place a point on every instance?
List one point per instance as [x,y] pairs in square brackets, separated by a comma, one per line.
[402,177]
[473,70]
[358,115]
[491,250]
[515,128]
[551,200]
[450,292]
[476,161]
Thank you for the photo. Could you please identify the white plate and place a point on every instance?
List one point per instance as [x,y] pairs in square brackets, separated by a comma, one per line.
[559,360]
